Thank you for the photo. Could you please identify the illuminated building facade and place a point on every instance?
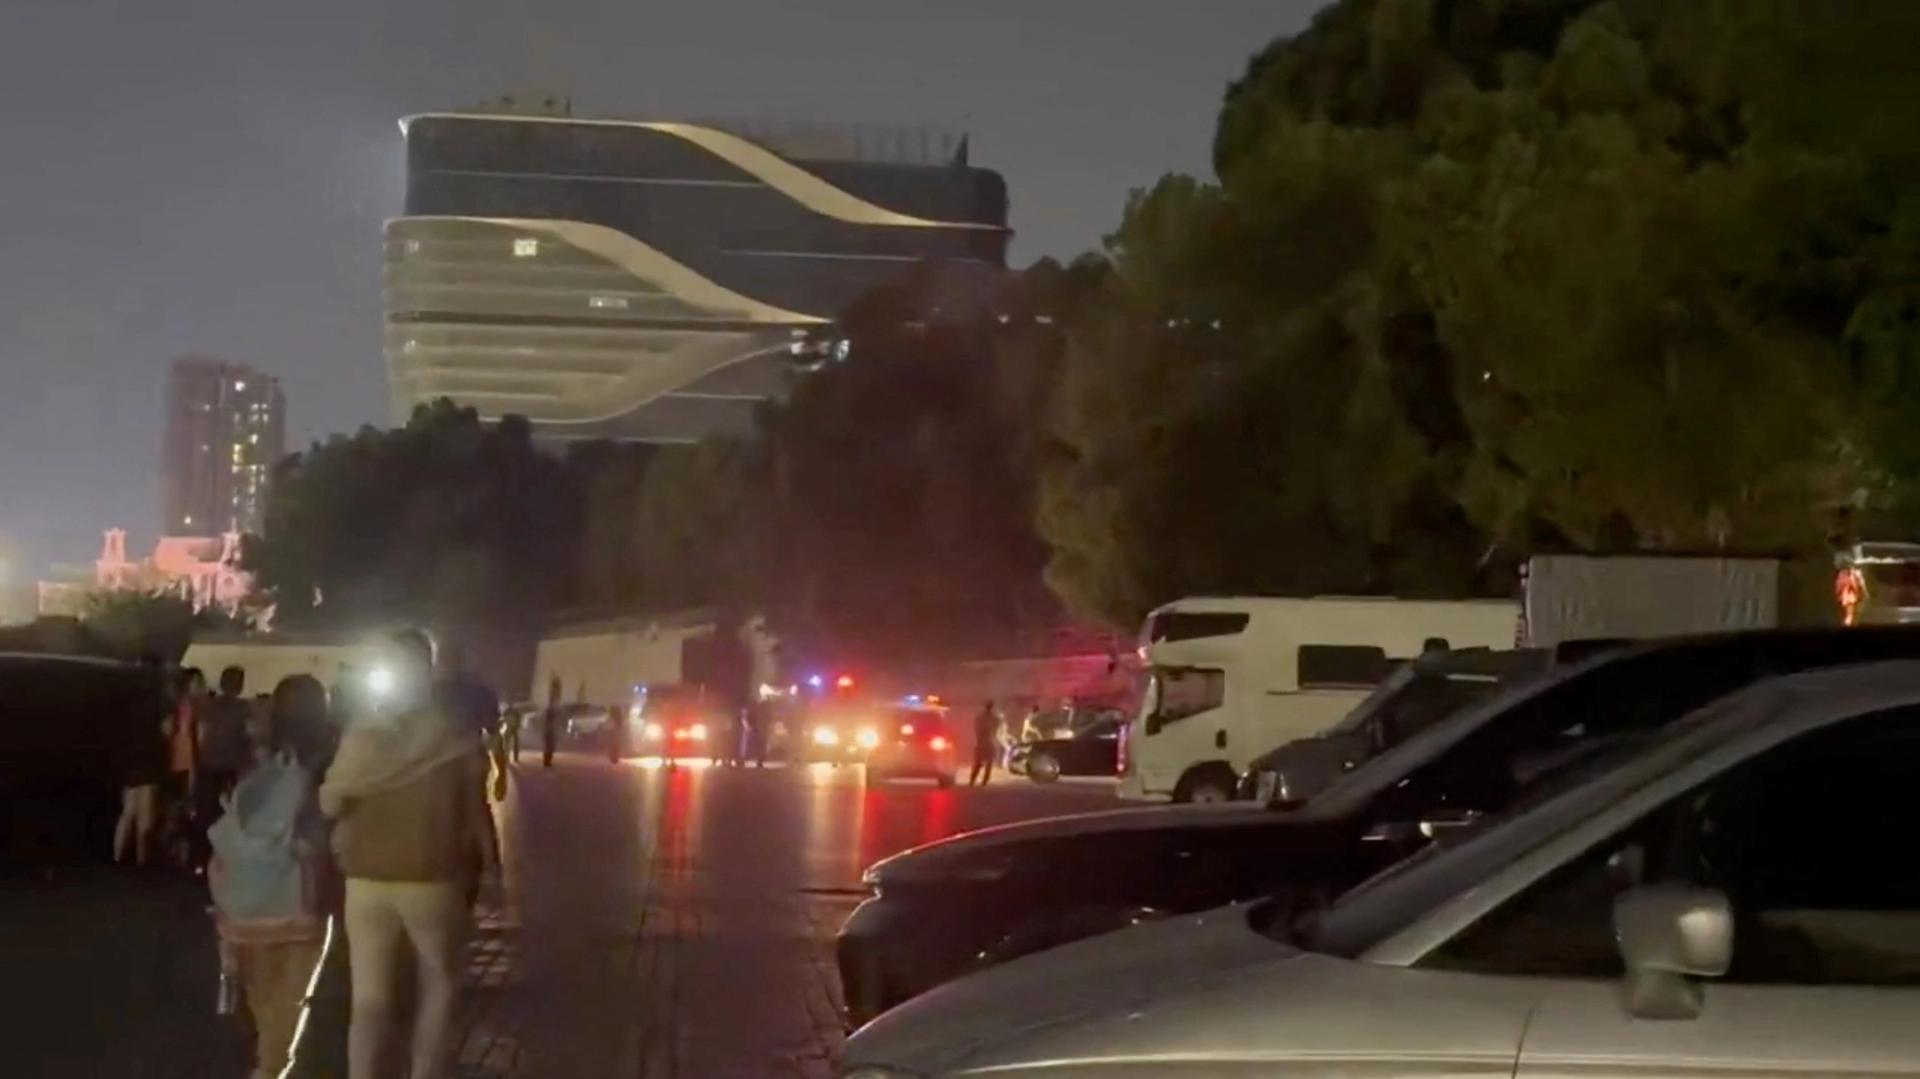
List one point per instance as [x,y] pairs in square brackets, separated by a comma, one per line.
[653,281]
[226,427]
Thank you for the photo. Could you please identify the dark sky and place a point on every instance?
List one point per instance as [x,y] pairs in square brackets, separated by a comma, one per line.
[210,176]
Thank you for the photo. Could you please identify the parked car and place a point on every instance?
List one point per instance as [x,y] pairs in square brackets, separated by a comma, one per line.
[580,721]
[1093,750]
[64,723]
[1419,693]
[1737,894]
[984,897]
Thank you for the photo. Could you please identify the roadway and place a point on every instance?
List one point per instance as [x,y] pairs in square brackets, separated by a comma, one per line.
[679,923]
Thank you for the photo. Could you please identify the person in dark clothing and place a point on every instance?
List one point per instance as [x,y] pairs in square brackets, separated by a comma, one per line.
[224,751]
[616,732]
[474,705]
[302,723]
[550,722]
[986,745]
[757,724]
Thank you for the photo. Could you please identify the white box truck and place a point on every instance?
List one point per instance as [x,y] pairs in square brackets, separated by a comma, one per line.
[1227,679]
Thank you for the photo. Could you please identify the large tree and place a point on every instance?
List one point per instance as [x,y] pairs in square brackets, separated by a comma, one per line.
[445,520]
[896,495]
[1485,276]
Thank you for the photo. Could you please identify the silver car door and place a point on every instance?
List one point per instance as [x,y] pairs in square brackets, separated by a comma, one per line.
[1582,1031]
[1802,863]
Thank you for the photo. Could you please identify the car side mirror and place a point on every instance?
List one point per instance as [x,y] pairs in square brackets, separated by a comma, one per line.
[1669,934]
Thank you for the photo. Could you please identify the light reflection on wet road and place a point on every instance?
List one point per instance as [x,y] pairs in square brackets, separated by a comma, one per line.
[679,922]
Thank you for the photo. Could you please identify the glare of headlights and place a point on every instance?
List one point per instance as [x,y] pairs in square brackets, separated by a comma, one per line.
[869,737]
[826,736]
[654,732]
[697,732]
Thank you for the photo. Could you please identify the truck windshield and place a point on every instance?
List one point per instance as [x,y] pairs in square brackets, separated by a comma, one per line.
[1178,692]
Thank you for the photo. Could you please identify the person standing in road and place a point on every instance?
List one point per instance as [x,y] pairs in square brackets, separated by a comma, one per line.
[510,717]
[986,745]
[272,958]
[616,732]
[550,722]
[414,839]
[475,706]
[143,768]
[183,732]
[223,751]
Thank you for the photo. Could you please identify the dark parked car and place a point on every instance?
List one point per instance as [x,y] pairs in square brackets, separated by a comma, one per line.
[1093,750]
[65,722]
[984,897]
[1419,693]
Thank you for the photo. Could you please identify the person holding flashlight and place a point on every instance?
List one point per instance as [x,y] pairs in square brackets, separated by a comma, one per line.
[414,839]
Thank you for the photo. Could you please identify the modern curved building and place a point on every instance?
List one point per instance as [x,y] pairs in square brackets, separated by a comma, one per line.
[653,281]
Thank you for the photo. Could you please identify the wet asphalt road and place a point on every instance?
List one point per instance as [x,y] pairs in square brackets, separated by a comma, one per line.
[679,923]
[655,923]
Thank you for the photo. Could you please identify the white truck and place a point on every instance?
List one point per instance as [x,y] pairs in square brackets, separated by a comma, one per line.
[1227,679]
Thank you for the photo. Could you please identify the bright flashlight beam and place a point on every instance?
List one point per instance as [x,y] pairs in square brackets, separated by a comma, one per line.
[380,681]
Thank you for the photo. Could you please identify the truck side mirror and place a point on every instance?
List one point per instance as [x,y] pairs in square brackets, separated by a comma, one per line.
[1669,934]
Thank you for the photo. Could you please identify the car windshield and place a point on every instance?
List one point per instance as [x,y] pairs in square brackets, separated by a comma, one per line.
[1364,712]
[1359,917]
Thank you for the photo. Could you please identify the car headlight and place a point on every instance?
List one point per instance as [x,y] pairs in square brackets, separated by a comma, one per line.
[697,732]
[655,732]
[826,736]
[869,737]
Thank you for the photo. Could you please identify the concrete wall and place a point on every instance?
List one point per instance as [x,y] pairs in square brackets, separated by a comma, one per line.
[267,663]
[602,663]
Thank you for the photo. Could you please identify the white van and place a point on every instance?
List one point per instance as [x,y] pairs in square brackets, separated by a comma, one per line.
[1228,678]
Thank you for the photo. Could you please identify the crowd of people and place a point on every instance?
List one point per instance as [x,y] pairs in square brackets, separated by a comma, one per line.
[327,825]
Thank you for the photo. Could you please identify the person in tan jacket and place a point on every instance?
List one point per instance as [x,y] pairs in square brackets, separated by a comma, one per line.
[414,838]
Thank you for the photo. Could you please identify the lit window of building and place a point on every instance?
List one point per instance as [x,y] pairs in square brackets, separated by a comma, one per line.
[613,303]
[525,247]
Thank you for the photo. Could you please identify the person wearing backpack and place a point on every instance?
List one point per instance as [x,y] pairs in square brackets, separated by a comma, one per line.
[414,838]
[268,878]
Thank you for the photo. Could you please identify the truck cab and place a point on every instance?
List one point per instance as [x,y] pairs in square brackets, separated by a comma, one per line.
[1228,678]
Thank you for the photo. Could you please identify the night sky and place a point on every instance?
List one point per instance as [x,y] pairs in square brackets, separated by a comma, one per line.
[210,177]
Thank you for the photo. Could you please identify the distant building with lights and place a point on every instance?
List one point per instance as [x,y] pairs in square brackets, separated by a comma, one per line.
[226,427]
[204,571]
[655,281]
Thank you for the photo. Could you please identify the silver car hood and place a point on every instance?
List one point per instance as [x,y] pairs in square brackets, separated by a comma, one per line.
[969,851]
[1113,974]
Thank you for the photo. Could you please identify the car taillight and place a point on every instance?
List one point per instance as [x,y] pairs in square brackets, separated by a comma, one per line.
[906,729]
[938,743]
